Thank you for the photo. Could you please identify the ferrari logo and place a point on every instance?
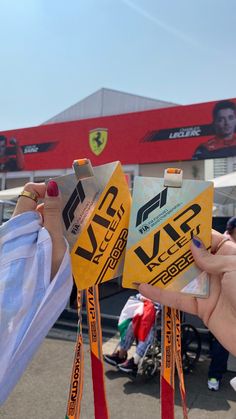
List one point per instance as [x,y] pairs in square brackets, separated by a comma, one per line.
[98,140]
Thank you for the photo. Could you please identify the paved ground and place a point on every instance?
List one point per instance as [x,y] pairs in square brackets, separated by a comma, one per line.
[42,391]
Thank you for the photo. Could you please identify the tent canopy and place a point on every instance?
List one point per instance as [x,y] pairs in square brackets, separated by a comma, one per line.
[225,189]
[9,194]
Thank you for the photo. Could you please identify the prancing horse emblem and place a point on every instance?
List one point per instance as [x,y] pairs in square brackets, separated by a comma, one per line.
[98,140]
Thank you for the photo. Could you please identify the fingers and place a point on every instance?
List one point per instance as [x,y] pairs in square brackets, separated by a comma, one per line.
[53,223]
[213,264]
[216,238]
[25,203]
[40,209]
[51,213]
[169,298]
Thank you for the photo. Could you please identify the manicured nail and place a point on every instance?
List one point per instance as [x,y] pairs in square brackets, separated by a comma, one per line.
[197,242]
[52,188]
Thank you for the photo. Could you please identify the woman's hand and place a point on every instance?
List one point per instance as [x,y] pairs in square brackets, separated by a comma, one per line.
[218,311]
[50,211]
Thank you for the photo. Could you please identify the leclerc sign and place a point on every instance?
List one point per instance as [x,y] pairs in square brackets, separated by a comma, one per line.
[201,131]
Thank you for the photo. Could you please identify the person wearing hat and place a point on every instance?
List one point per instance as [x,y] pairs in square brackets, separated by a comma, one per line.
[231,229]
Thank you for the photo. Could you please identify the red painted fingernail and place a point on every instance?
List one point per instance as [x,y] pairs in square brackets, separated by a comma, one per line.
[52,188]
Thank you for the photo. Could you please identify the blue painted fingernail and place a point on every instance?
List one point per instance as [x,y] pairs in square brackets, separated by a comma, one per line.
[197,242]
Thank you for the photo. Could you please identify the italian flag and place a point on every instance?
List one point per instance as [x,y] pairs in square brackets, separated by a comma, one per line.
[142,316]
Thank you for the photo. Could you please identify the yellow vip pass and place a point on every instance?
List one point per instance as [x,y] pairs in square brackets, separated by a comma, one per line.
[96,209]
[165,215]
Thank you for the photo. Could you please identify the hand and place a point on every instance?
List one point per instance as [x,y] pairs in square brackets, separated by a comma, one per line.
[50,211]
[218,311]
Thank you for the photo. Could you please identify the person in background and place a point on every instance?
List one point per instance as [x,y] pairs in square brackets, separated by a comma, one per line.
[219,355]
[10,162]
[223,143]
[218,364]
[136,322]
[35,280]
[230,232]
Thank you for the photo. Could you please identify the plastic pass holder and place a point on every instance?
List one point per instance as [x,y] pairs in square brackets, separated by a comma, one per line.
[83,168]
[173,177]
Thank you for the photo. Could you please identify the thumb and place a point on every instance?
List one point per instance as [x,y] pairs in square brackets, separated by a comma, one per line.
[213,264]
[52,210]
[53,223]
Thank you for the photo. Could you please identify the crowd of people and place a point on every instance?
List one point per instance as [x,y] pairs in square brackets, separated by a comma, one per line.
[34,250]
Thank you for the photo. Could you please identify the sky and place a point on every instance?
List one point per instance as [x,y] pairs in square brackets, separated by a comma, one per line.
[54,53]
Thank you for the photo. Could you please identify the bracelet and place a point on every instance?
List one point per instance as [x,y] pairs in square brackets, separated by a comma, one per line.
[30,195]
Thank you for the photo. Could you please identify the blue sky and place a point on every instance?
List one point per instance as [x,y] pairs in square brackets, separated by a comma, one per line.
[56,52]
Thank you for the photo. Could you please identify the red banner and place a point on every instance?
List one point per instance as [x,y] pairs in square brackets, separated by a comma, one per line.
[201,131]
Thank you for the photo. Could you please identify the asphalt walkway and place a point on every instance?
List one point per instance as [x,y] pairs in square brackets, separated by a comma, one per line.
[42,392]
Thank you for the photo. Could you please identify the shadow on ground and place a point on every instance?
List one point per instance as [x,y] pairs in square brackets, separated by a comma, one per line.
[198,395]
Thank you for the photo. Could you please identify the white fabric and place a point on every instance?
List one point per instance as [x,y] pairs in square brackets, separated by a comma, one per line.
[30,302]
[225,189]
[233,383]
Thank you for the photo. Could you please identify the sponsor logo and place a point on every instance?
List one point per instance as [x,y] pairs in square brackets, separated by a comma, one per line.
[157,202]
[98,140]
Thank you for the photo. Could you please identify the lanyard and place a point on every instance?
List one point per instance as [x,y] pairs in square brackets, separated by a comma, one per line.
[178,358]
[167,365]
[77,375]
[95,337]
[171,358]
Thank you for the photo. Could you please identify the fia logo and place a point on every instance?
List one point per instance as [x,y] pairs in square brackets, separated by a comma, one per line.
[144,229]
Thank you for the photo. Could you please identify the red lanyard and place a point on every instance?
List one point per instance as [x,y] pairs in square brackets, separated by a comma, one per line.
[171,357]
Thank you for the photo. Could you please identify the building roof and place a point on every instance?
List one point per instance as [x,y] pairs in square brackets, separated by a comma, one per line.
[105,102]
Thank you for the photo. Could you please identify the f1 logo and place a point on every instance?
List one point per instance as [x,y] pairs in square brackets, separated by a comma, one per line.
[157,202]
[76,197]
